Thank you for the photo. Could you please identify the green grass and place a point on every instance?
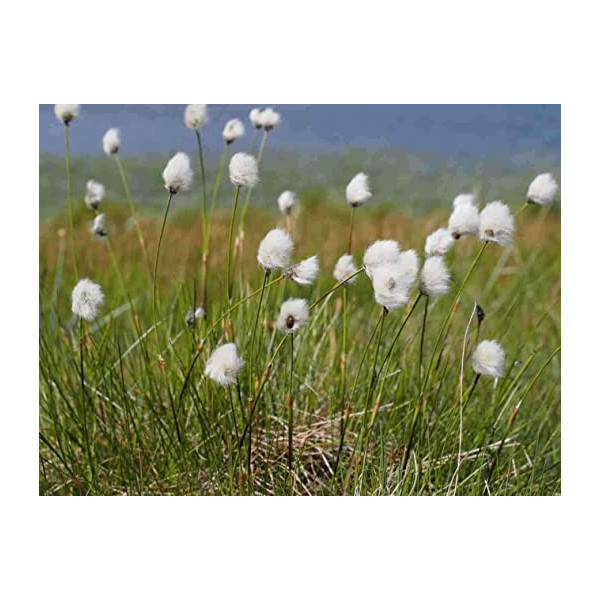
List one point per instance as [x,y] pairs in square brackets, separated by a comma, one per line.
[142,426]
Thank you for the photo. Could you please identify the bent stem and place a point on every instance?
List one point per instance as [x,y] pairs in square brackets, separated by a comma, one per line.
[229,243]
[155,280]
[132,210]
[70,202]
[423,338]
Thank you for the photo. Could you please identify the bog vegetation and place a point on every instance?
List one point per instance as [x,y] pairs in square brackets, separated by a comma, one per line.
[331,349]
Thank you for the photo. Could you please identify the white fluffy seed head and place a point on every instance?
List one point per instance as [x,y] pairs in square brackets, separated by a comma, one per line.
[435,277]
[194,315]
[305,272]
[380,253]
[255,118]
[389,286]
[439,243]
[488,359]
[358,190]
[195,116]
[293,315]
[465,199]
[464,220]
[223,365]
[66,112]
[408,263]
[345,268]
[243,170]
[178,173]
[98,227]
[286,201]
[86,299]
[496,224]
[269,119]
[233,130]
[275,250]
[94,194]
[111,142]
[543,189]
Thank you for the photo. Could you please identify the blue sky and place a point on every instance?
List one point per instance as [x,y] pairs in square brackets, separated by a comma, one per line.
[470,131]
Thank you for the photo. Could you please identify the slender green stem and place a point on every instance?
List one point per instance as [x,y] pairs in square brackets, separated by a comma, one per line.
[229,244]
[253,334]
[155,278]
[352,211]
[423,338]
[70,202]
[205,224]
[84,407]
[290,401]
[132,210]
[339,285]
[261,151]
[217,185]
[521,209]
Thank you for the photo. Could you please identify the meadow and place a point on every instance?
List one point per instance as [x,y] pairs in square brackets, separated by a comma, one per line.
[367,404]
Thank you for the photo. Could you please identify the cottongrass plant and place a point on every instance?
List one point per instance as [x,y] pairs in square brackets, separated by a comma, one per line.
[293,315]
[286,202]
[66,113]
[358,191]
[94,194]
[464,220]
[111,144]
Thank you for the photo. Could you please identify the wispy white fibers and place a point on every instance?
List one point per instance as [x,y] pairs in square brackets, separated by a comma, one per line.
[408,261]
[345,268]
[111,142]
[439,243]
[543,189]
[488,359]
[223,365]
[388,285]
[255,118]
[269,119]
[464,220]
[275,250]
[193,315]
[243,170]
[462,199]
[358,190]
[195,116]
[233,130]
[99,226]
[496,224]
[380,253]
[86,299]
[435,277]
[94,194]
[304,272]
[286,201]
[66,112]
[293,315]
[178,174]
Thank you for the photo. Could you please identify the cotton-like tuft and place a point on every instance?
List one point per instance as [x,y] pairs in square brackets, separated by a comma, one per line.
[233,130]
[255,118]
[66,112]
[345,268]
[293,315]
[286,201]
[111,142]
[496,224]
[192,316]
[439,243]
[358,190]
[304,272]
[223,365]
[435,277]
[178,174]
[275,250]
[99,226]
[389,286]
[380,253]
[86,299]
[464,220]
[269,119]
[243,170]
[94,194]
[488,359]
[195,116]
[462,199]
[408,263]
[543,189]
